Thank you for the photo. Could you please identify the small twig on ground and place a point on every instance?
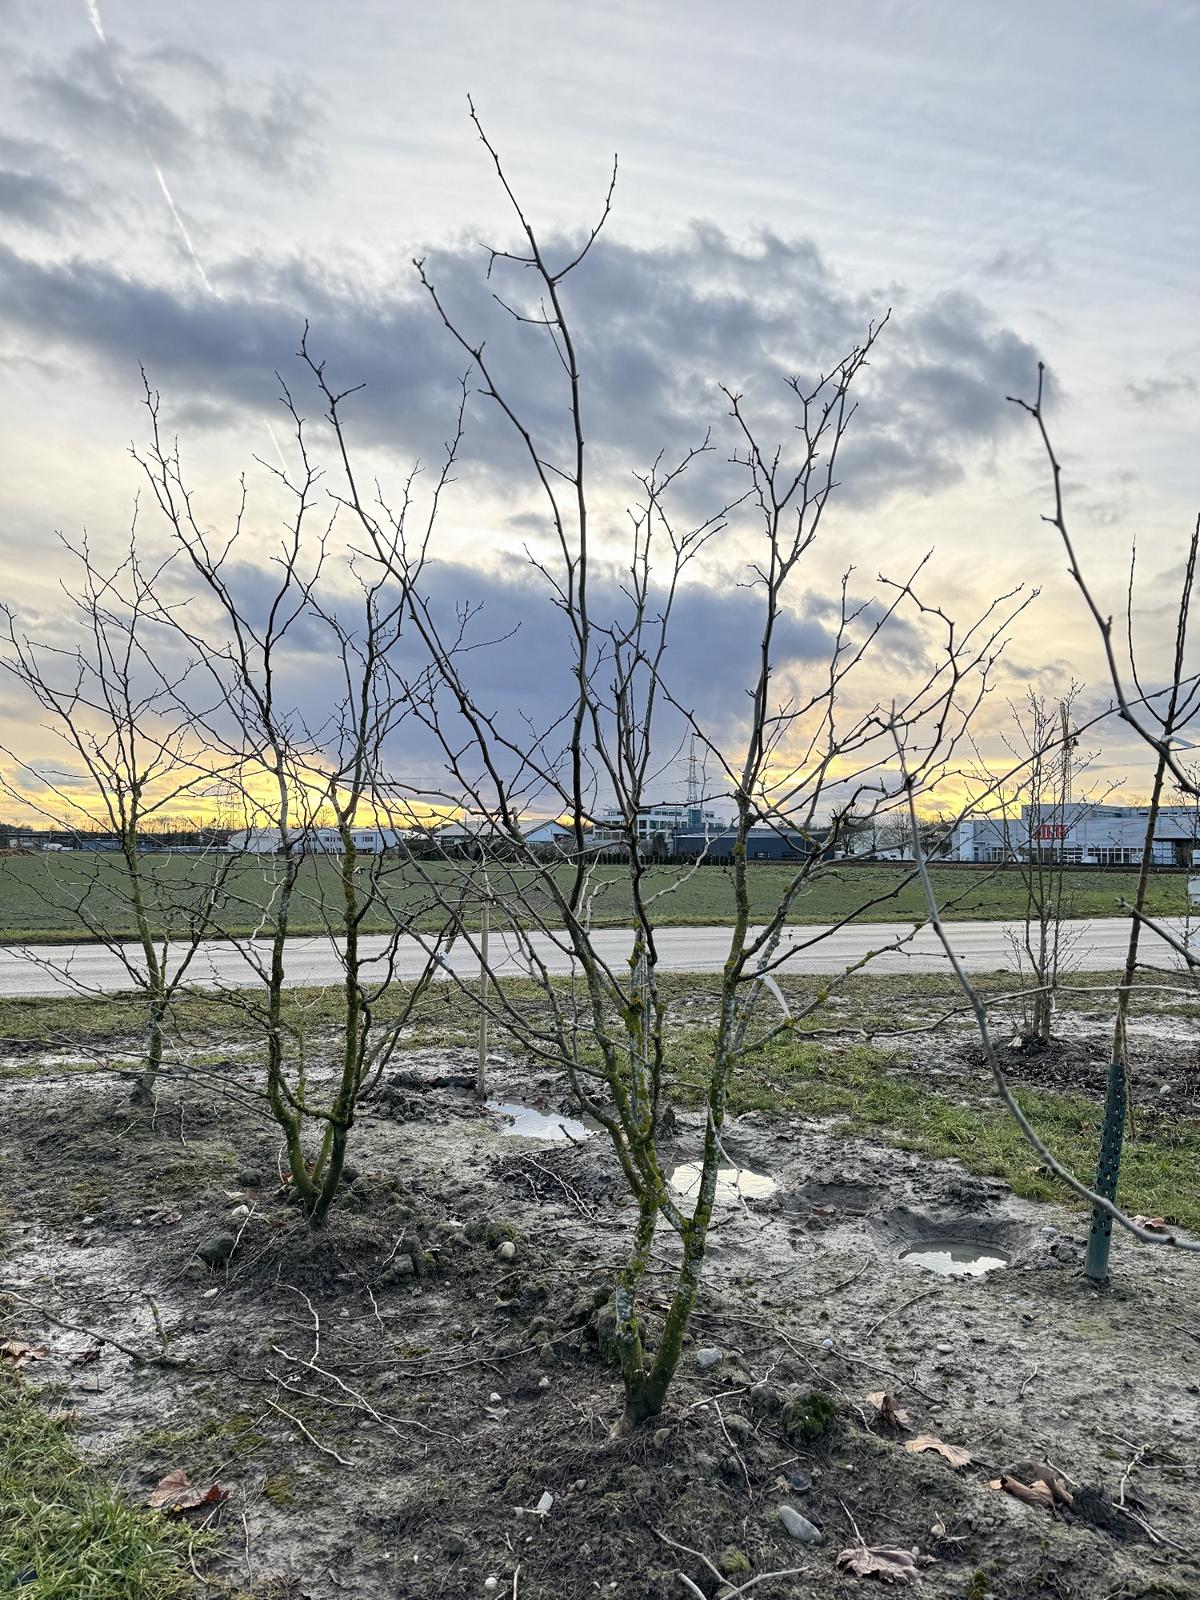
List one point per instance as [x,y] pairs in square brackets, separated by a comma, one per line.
[691,1587]
[737,1454]
[138,1357]
[158,1322]
[326,1450]
[312,1313]
[1026,1382]
[907,1306]
[688,1551]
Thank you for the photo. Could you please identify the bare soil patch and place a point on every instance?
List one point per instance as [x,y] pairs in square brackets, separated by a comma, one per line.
[389,1401]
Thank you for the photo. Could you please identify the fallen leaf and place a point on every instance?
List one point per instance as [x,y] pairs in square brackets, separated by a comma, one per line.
[15,1350]
[890,1413]
[1045,1491]
[86,1357]
[176,1492]
[953,1453]
[889,1566]
[1155,1224]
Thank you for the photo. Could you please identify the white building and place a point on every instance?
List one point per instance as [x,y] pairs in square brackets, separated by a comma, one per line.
[1081,834]
[315,841]
[653,821]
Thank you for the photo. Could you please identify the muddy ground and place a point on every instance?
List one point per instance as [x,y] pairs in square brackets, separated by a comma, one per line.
[388,1401]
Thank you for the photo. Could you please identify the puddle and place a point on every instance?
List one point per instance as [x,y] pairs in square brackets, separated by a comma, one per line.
[733,1183]
[529,1123]
[954,1260]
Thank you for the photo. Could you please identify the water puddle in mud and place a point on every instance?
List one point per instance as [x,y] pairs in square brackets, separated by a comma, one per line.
[733,1183]
[957,1260]
[527,1122]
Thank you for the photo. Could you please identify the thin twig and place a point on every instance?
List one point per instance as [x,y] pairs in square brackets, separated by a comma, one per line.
[326,1450]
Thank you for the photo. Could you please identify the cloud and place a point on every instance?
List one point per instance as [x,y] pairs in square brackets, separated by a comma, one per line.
[179,106]
[30,198]
[1029,261]
[657,330]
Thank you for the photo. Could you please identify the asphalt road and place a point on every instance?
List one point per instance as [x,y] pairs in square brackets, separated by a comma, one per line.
[1095,944]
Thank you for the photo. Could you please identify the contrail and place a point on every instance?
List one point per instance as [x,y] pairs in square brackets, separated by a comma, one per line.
[97,22]
[94,17]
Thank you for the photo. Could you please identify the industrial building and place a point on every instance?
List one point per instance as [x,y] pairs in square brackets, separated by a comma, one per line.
[1082,835]
[762,844]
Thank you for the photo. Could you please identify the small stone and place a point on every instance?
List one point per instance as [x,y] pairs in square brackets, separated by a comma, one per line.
[507,1250]
[1164,1088]
[661,1436]
[401,1267]
[250,1179]
[239,1212]
[707,1358]
[210,1294]
[491,1584]
[217,1251]
[87,1221]
[543,1382]
[799,1481]
[544,1504]
[1049,1231]
[798,1527]
[945,1349]
[493,1398]
[826,1344]
[580,1483]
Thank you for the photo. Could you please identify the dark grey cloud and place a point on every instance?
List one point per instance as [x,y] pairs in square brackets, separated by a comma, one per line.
[657,329]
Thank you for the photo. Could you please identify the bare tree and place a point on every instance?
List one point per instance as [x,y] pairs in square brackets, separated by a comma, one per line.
[1159,719]
[1038,816]
[114,692]
[299,780]
[619,730]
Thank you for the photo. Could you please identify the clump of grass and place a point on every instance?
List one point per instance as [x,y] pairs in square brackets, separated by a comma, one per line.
[64,1533]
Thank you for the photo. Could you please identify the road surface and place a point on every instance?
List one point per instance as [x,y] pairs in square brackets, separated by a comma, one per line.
[1095,944]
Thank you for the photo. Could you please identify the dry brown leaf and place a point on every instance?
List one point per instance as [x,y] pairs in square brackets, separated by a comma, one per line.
[86,1357]
[1040,1492]
[1155,1224]
[890,1413]
[16,1350]
[953,1453]
[889,1566]
[176,1492]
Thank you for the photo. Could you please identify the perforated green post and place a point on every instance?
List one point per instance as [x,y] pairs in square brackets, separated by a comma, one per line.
[1107,1171]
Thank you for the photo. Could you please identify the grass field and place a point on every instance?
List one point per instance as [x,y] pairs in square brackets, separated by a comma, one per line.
[62,897]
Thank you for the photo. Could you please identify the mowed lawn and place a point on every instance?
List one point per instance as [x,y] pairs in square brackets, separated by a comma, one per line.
[67,896]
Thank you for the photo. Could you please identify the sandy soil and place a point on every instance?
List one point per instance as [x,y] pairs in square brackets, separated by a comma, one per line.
[388,1401]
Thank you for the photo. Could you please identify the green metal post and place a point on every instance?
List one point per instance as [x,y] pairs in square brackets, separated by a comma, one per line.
[1107,1169]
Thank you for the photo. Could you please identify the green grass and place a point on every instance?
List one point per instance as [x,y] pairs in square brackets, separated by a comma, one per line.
[65,1534]
[1160,1170]
[63,897]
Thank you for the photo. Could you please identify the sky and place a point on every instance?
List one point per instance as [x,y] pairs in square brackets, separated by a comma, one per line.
[183,187]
